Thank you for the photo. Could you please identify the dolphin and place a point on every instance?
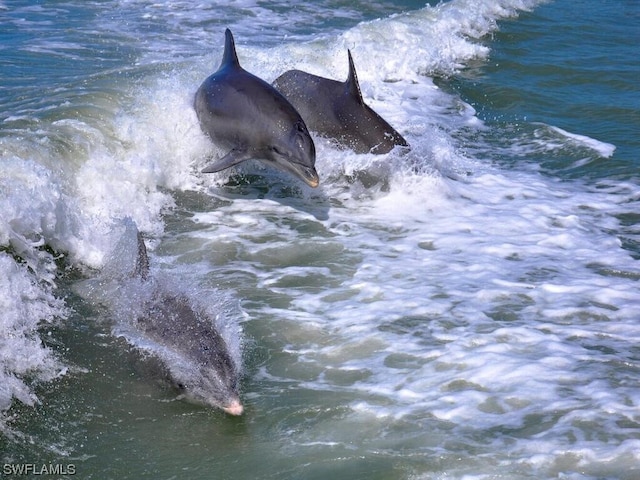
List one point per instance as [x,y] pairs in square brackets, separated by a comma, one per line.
[337,110]
[246,115]
[193,354]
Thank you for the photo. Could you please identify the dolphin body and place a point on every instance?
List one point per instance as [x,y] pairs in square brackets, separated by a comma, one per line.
[193,355]
[337,110]
[245,114]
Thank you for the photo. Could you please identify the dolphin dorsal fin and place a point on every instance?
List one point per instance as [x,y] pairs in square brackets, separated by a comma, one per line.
[352,87]
[229,58]
[142,261]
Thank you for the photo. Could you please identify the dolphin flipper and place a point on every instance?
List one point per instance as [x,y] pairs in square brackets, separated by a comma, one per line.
[232,158]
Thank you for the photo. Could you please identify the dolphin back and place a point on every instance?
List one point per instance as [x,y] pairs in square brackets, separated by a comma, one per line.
[338,111]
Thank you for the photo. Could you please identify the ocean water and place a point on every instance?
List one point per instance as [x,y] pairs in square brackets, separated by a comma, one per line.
[467,310]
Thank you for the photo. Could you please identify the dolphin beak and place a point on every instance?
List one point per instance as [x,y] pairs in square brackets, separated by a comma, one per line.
[300,169]
[310,176]
[234,408]
[313,182]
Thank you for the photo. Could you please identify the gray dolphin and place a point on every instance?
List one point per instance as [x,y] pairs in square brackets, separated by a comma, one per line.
[244,113]
[337,110]
[194,355]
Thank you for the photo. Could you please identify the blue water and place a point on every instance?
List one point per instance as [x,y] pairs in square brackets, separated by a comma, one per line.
[466,310]
[574,71]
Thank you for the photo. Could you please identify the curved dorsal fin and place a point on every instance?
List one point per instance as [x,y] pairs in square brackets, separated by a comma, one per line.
[229,58]
[352,87]
[142,261]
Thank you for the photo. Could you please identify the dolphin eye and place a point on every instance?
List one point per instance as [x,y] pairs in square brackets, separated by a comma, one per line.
[275,149]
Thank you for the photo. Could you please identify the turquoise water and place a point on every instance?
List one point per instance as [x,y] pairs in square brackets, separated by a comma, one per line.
[466,310]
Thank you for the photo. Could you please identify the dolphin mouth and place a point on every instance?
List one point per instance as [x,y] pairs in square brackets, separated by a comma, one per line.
[234,408]
[313,182]
[309,175]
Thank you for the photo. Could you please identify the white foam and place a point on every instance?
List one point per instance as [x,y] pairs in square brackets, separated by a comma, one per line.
[605,150]
[26,306]
[473,302]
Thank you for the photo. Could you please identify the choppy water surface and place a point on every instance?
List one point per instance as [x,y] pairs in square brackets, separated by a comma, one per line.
[465,310]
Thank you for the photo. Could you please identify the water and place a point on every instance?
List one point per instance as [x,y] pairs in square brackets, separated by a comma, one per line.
[467,310]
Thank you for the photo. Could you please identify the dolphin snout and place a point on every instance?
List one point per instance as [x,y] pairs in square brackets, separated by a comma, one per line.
[310,176]
[234,408]
[307,172]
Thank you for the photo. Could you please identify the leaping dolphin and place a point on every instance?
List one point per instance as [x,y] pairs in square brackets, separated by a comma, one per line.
[337,110]
[245,114]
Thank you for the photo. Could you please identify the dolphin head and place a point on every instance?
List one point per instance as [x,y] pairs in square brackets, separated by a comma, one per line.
[213,385]
[295,152]
[196,357]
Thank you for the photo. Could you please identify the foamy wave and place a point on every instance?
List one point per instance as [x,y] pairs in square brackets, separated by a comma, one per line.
[31,204]
[65,196]
[26,305]
[434,40]
[605,150]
